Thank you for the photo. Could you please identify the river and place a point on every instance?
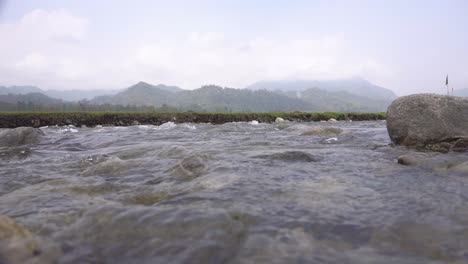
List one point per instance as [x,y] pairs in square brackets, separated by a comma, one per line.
[232,193]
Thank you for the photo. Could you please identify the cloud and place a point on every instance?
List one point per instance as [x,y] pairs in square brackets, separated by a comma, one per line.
[212,58]
[40,44]
[52,49]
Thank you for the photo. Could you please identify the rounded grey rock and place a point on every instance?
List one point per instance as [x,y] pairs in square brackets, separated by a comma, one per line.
[427,119]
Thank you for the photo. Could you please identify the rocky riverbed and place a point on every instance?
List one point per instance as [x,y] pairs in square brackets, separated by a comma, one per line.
[248,192]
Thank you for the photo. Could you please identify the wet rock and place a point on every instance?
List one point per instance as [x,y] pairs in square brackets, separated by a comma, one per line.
[290,156]
[435,161]
[461,145]
[332,120]
[431,121]
[414,159]
[20,136]
[323,130]
[443,147]
[155,235]
[191,167]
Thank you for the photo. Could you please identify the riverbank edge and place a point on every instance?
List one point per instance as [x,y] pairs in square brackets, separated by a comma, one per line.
[91,119]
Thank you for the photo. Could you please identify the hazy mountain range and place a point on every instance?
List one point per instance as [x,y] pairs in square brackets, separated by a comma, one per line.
[67,95]
[299,95]
[356,86]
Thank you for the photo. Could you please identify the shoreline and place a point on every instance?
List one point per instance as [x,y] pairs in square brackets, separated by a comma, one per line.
[91,119]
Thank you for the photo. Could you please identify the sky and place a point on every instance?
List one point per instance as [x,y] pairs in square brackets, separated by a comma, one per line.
[408,46]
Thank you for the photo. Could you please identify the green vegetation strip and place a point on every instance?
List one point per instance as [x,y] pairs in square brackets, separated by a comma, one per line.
[38,119]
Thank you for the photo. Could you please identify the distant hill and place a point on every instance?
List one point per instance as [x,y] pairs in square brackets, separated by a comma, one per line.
[215,98]
[342,101]
[77,95]
[219,99]
[207,98]
[35,98]
[67,95]
[141,94]
[356,86]
[172,89]
[16,89]
[342,95]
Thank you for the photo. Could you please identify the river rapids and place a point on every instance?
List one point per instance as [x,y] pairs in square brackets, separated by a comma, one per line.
[233,193]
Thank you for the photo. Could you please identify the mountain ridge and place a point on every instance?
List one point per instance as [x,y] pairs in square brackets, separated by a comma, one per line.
[356,86]
[263,96]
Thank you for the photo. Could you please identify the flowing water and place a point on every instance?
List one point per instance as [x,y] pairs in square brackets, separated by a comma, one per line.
[232,193]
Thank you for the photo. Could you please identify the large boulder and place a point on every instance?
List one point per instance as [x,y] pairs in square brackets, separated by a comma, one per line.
[430,121]
[20,136]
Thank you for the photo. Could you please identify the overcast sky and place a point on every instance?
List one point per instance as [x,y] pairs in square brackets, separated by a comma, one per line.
[407,46]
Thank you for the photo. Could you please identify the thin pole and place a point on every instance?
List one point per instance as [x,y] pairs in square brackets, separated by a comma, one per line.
[447,84]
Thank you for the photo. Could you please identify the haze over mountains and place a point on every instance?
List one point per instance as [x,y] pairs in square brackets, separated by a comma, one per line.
[67,95]
[357,86]
[296,95]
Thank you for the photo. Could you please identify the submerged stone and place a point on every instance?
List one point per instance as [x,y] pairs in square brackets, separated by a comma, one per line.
[191,167]
[18,245]
[462,167]
[148,198]
[111,166]
[9,229]
[323,130]
[422,239]
[15,153]
[291,156]
[20,136]
[414,159]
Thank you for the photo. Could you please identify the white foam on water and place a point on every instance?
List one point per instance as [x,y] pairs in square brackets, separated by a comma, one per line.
[143,126]
[192,127]
[254,122]
[98,126]
[330,140]
[279,120]
[165,126]
[68,130]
